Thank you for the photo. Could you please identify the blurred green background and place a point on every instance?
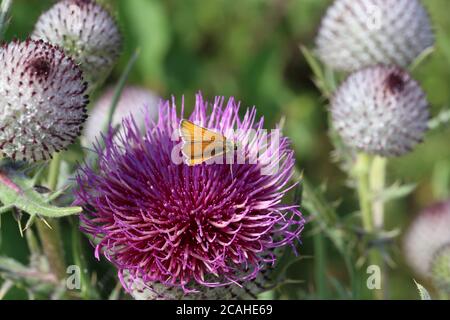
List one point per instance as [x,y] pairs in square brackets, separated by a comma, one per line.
[249,49]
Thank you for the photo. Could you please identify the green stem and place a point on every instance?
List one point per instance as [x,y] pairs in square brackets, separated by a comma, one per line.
[87,291]
[352,275]
[33,245]
[51,238]
[119,88]
[377,185]
[53,175]
[52,246]
[363,173]
[320,265]
[5,287]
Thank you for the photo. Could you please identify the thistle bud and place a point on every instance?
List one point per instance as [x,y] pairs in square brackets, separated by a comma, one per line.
[43,101]
[359,33]
[427,244]
[86,31]
[440,268]
[380,110]
[133,101]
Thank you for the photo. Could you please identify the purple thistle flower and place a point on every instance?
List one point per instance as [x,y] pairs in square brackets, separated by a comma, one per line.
[188,226]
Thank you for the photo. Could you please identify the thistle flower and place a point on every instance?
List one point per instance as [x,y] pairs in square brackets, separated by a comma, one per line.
[380,110]
[132,101]
[86,31]
[43,101]
[359,33]
[427,243]
[209,225]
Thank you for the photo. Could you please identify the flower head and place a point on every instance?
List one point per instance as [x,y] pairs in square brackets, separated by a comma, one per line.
[42,100]
[86,31]
[440,268]
[360,33]
[132,101]
[183,226]
[380,110]
[427,242]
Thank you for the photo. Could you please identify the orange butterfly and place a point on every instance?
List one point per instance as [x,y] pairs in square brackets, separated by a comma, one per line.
[200,144]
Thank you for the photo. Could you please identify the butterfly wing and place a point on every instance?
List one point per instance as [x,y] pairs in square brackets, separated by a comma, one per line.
[200,144]
[190,132]
[198,152]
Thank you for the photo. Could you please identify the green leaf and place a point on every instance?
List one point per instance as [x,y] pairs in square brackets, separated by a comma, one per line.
[395,191]
[424,295]
[5,8]
[324,81]
[312,62]
[9,265]
[318,207]
[340,289]
[17,190]
[34,278]
[5,287]
[342,154]
[421,58]
[6,208]
[440,180]
[441,120]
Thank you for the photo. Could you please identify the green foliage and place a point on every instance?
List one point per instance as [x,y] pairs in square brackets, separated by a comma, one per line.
[424,295]
[18,191]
